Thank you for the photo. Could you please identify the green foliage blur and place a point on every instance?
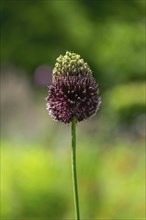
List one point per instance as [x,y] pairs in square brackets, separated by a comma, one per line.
[36,179]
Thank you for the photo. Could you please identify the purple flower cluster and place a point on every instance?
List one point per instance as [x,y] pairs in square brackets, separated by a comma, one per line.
[73,96]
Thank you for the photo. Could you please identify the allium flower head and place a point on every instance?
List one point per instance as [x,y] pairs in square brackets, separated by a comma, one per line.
[73,92]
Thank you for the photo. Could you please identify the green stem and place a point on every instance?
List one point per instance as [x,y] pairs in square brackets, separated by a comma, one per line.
[74,172]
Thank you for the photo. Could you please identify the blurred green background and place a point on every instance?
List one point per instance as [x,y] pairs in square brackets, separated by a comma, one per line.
[35,151]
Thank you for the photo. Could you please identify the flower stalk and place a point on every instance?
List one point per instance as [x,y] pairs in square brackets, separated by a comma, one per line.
[74,171]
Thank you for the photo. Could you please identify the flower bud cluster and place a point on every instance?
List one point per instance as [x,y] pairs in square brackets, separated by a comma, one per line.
[73,92]
[70,64]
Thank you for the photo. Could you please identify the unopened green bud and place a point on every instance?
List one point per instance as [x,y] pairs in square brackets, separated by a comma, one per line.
[70,64]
